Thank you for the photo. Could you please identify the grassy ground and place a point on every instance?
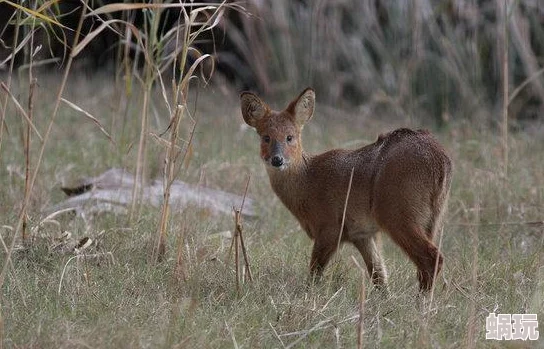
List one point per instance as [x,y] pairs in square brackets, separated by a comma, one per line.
[50,300]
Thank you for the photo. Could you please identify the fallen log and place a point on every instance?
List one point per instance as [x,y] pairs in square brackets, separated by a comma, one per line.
[112,192]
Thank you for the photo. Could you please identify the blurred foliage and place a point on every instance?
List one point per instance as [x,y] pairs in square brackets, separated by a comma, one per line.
[441,58]
[435,59]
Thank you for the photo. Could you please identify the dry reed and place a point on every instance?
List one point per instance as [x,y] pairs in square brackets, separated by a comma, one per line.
[238,242]
[42,149]
[169,176]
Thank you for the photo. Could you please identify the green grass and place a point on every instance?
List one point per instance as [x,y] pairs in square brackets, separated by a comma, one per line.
[132,302]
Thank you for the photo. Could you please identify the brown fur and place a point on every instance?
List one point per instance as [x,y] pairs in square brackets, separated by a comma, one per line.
[400,186]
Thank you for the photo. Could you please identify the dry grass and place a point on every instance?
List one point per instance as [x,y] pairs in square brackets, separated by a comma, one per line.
[131,303]
[108,294]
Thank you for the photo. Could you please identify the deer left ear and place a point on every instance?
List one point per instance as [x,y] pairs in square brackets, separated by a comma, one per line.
[303,106]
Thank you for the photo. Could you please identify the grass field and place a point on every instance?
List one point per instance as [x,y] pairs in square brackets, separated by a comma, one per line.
[494,251]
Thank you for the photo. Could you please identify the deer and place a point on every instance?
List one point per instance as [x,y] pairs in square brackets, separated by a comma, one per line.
[398,185]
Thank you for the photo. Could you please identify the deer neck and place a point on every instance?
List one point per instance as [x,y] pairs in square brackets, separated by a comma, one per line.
[289,184]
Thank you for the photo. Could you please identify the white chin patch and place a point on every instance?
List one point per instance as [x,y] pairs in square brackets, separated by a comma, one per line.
[280,168]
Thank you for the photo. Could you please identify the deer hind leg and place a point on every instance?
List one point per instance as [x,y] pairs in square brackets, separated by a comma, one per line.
[434,227]
[438,209]
[420,249]
[370,250]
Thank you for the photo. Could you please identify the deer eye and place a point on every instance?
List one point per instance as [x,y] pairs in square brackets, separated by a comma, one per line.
[266,139]
[289,139]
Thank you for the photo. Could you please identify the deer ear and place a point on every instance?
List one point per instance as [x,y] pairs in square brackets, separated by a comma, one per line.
[253,108]
[303,107]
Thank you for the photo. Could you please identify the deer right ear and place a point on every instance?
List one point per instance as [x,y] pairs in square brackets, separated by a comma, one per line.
[253,108]
[303,107]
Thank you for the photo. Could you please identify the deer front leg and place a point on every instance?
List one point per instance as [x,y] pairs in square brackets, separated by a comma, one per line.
[321,254]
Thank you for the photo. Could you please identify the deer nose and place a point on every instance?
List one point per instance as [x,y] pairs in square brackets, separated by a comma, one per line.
[276,161]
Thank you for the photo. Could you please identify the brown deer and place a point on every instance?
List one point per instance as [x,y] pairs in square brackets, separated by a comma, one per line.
[400,185]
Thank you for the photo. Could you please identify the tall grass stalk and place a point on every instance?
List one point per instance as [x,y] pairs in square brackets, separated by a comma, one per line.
[27,134]
[44,143]
[505,87]
[151,32]
[1,329]
[181,89]
[179,269]
[239,230]
[435,271]
[236,256]
[339,242]
[153,44]
[238,241]
[10,74]
[362,299]
[472,321]
[172,155]
[342,224]
[27,142]
[140,161]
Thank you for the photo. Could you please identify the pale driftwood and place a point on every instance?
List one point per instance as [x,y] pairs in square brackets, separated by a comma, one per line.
[112,192]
